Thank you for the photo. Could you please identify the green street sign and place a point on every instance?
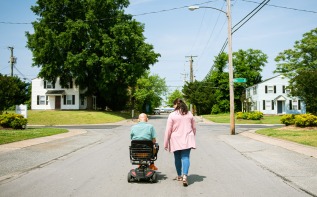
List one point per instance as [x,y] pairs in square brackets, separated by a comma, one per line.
[239,80]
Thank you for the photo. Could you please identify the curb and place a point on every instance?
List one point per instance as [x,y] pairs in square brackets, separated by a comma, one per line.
[30,142]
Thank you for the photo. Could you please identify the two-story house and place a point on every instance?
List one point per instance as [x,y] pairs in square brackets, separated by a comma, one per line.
[48,95]
[271,96]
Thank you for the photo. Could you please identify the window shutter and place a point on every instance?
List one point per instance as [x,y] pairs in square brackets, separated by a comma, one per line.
[46,101]
[272,104]
[274,89]
[64,99]
[265,89]
[73,99]
[290,105]
[44,84]
[283,89]
[38,100]
[299,107]
[264,104]
[53,83]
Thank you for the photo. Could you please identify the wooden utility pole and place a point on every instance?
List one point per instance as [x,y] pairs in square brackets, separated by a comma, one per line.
[12,60]
[191,73]
[191,78]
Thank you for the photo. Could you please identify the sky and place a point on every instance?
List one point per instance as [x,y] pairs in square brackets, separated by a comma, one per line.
[177,33]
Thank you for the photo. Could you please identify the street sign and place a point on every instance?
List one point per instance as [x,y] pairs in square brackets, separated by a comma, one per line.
[239,80]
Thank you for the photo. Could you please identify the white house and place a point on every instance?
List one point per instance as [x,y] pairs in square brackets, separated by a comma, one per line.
[46,95]
[272,97]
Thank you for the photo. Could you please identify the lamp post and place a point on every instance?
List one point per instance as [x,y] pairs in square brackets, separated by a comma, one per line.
[231,92]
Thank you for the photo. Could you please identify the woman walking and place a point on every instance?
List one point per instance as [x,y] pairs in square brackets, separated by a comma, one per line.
[180,138]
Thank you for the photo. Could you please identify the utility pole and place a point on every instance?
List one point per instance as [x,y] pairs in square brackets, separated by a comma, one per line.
[191,74]
[12,60]
[231,88]
[191,77]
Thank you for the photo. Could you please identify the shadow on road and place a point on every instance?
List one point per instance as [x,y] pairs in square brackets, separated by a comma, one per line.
[192,178]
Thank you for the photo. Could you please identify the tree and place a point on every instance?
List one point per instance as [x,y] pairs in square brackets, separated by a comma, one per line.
[300,66]
[148,92]
[174,95]
[218,79]
[247,64]
[13,91]
[93,42]
[201,95]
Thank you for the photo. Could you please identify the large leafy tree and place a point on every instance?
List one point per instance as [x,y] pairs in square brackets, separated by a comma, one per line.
[93,42]
[13,91]
[172,96]
[300,66]
[201,95]
[148,92]
[218,79]
[247,64]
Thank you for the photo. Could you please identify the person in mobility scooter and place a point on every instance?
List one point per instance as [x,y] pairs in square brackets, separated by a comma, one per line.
[143,151]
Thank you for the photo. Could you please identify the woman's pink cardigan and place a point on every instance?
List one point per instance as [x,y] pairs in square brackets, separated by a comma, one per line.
[180,132]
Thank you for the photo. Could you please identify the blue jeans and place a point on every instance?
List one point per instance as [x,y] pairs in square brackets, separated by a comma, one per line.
[182,161]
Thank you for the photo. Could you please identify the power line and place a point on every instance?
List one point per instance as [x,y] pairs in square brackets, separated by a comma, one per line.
[277,6]
[160,11]
[255,10]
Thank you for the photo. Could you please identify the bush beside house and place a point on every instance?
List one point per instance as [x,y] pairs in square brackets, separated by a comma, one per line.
[299,120]
[14,121]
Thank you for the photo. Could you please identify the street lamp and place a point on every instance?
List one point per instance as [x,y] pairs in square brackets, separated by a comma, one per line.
[228,14]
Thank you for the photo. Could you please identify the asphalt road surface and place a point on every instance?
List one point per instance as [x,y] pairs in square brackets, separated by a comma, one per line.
[97,162]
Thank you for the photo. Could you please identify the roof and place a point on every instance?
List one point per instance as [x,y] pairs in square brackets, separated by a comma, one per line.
[55,92]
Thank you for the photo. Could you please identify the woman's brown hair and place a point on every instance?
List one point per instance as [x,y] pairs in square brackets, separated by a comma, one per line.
[180,106]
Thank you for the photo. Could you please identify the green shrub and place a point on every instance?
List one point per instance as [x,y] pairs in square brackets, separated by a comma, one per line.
[11,120]
[305,120]
[215,109]
[288,119]
[239,115]
[256,115]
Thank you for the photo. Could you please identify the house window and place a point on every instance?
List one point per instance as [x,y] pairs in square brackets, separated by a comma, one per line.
[267,104]
[82,99]
[286,90]
[69,99]
[248,92]
[69,85]
[41,100]
[254,90]
[295,102]
[290,105]
[49,85]
[255,106]
[270,89]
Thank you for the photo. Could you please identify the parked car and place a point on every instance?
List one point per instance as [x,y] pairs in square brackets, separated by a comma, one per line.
[157,111]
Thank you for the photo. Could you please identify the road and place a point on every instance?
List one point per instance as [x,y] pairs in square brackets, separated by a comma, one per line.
[96,163]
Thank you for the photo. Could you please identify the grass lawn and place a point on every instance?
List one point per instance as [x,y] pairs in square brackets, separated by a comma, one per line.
[8,136]
[306,136]
[225,118]
[51,117]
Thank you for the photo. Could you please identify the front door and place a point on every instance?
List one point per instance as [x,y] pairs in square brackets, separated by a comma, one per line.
[57,102]
[279,107]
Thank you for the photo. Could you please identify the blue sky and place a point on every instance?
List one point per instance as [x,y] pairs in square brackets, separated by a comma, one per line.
[175,32]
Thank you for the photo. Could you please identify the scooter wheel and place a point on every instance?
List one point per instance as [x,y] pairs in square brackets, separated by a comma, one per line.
[129,178]
[154,178]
